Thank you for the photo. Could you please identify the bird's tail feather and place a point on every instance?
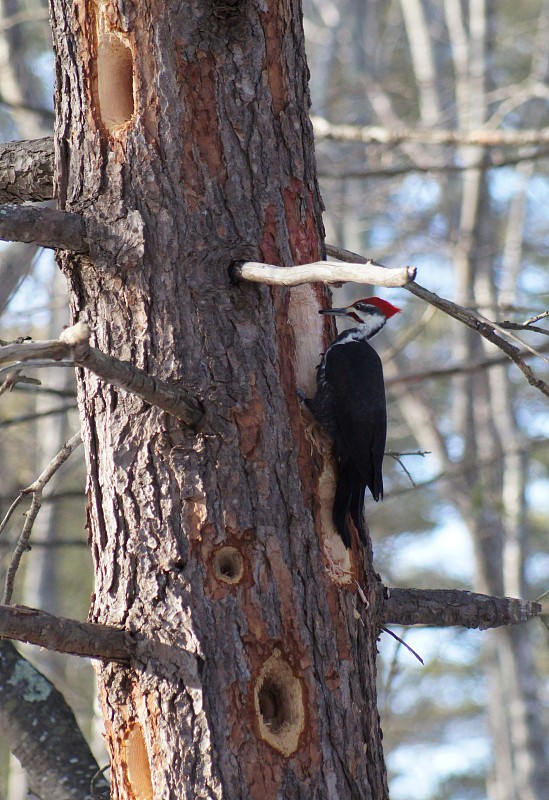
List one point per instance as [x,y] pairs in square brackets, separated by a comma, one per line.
[357,513]
[340,510]
[349,500]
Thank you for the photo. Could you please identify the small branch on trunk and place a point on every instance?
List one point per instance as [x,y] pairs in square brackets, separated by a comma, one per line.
[65,635]
[94,640]
[44,226]
[445,607]
[74,343]
[26,171]
[330,272]
[476,322]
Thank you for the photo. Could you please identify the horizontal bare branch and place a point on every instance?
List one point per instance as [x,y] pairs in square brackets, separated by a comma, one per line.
[26,170]
[495,161]
[448,607]
[65,635]
[486,137]
[322,272]
[457,369]
[94,640]
[44,226]
[74,343]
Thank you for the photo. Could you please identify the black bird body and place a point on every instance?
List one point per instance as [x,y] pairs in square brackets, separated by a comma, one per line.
[350,405]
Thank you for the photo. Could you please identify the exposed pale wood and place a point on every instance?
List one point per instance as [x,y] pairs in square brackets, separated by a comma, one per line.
[324,272]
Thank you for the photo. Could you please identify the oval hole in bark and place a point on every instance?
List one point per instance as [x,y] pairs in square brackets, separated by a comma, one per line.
[114,80]
[137,764]
[228,565]
[279,705]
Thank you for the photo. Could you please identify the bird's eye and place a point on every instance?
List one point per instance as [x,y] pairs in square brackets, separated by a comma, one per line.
[363,307]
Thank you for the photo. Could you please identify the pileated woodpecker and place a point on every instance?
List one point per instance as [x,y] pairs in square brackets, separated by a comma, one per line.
[350,404]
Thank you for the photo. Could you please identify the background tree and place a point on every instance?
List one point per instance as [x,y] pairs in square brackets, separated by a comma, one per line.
[463,67]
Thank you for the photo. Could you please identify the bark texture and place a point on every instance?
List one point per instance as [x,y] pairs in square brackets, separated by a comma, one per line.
[182,130]
[26,170]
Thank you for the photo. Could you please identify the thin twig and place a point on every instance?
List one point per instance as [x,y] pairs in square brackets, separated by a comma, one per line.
[463,467]
[30,363]
[456,369]
[35,489]
[398,458]
[102,791]
[37,415]
[537,318]
[407,646]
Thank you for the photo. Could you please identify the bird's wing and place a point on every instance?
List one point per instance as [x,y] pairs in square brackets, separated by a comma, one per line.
[355,376]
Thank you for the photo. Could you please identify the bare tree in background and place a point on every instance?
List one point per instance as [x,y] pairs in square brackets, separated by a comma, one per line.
[451,52]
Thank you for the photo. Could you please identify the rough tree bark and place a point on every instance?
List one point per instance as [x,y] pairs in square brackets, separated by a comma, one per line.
[182,130]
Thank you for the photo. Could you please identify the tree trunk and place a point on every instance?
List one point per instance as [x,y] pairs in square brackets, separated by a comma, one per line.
[182,135]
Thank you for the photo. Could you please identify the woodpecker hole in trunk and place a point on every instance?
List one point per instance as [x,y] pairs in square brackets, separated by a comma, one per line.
[114,82]
[279,707]
[228,565]
[136,759]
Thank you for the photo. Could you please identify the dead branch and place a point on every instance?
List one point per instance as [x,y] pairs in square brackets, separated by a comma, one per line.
[329,272]
[457,369]
[476,322]
[448,607]
[485,137]
[23,418]
[463,467]
[65,635]
[44,226]
[35,489]
[74,344]
[94,640]
[494,161]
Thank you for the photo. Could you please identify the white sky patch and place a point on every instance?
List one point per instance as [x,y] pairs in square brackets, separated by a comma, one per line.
[31,304]
[448,548]
[420,769]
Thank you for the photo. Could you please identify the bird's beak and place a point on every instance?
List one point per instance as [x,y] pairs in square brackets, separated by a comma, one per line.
[336,312]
